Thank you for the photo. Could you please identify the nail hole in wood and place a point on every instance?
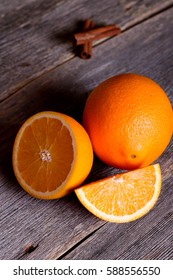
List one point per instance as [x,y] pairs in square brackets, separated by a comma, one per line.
[29,248]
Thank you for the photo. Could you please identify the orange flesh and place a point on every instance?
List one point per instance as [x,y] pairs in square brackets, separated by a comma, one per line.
[123,194]
[39,163]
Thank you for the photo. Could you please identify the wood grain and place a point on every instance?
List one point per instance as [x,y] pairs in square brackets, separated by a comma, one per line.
[151,237]
[36,36]
[35,229]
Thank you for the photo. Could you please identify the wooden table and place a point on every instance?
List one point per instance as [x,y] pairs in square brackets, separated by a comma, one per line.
[40,70]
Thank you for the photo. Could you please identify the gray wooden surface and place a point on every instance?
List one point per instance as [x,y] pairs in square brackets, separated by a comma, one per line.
[40,70]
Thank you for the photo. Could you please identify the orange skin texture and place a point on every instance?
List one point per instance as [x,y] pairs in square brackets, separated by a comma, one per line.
[129,119]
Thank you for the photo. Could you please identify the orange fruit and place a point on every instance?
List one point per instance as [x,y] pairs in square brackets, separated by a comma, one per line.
[129,119]
[124,197]
[52,155]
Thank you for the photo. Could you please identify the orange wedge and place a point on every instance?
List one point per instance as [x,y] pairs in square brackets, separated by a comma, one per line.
[123,197]
[52,155]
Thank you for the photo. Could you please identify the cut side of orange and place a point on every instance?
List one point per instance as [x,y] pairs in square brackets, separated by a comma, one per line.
[123,197]
[52,155]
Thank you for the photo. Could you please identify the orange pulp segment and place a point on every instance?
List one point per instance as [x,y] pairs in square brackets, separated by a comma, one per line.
[52,154]
[123,197]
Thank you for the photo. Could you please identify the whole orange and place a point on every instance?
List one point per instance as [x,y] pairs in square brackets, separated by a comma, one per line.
[129,119]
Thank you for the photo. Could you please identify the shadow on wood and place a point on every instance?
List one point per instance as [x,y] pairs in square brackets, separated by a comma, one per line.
[51,95]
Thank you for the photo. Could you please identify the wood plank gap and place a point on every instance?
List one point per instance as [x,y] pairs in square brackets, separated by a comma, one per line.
[72,56]
[148,17]
[58,225]
[23,85]
[80,242]
[123,30]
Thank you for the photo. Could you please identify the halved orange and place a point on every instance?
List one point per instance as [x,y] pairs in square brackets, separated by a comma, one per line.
[123,197]
[52,155]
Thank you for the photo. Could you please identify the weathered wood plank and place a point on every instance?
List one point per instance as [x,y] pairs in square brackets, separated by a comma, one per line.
[35,36]
[54,227]
[151,237]
[48,227]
